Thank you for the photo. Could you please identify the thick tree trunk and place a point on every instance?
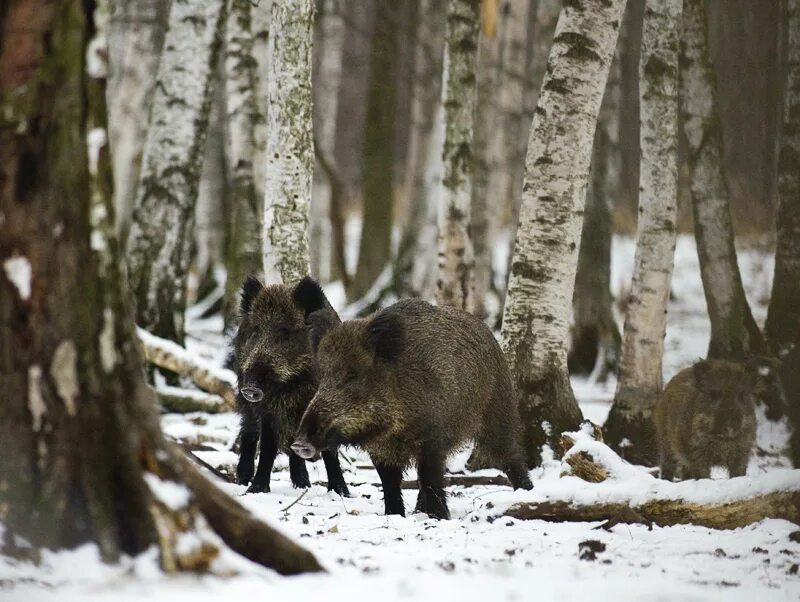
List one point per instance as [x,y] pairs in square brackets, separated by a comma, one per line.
[243,254]
[86,461]
[415,266]
[290,144]
[628,428]
[329,31]
[734,332]
[783,318]
[455,283]
[595,338]
[135,38]
[536,316]
[161,232]
[377,189]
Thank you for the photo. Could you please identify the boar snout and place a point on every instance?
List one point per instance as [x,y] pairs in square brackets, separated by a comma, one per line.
[252,394]
[303,448]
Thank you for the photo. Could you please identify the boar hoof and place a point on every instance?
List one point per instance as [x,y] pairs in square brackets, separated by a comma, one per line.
[301,482]
[340,489]
[258,488]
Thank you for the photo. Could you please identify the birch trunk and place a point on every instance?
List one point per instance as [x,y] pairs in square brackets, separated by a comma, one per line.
[260,15]
[377,188]
[290,145]
[243,255]
[455,283]
[628,428]
[783,319]
[595,338]
[536,316]
[86,460]
[734,332]
[415,266]
[328,65]
[161,232]
[135,38]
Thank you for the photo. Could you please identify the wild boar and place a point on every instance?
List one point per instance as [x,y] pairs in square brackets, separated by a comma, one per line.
[412,383]
[274,363]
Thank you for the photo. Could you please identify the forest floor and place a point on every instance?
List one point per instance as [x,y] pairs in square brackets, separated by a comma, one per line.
[479,554]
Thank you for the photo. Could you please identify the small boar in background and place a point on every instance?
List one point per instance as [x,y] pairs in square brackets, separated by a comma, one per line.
[274,363]
[706,417]
[412,383]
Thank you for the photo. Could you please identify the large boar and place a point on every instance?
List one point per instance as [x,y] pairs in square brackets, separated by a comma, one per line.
[274,363]
[706,417]
[412,383]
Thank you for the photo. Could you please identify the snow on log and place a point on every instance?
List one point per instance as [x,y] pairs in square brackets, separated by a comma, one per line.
[176,399]
[171,356]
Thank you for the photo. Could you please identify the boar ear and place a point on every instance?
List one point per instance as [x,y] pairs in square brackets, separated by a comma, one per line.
[319,323]
[308,296]
[250,288]
[387,336]
[702,373]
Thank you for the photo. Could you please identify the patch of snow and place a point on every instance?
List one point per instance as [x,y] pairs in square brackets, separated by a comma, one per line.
[19,273]
[171,494]
[719,473]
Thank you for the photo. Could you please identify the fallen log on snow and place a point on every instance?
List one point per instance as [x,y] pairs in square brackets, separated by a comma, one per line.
[171,356]
[183,401]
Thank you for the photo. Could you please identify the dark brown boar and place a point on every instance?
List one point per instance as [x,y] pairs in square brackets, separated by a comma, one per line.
[412,383]
[275,366]
[706,417]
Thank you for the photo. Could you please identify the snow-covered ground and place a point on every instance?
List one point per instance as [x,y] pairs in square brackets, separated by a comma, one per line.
[479,554]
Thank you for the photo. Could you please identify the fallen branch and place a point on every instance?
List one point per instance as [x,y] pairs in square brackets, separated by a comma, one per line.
[171,356]
[464,481]
[183,401]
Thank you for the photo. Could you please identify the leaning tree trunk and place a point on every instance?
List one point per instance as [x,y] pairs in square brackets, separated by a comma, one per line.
[377,190]
[628,428]
[328,66]
[161,232]
[783,318]
[85,460]
[243,106]
[734,332]
[595,340]
[455,283]
[135,38]
[415,264]
[290,144]
[536,316]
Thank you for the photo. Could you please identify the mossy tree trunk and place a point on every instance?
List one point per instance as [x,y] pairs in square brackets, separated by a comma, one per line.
[290,142]
[455,284]
[536,315]
[160,238]
[377,186]
[734,333]
[628,427]
[85,458]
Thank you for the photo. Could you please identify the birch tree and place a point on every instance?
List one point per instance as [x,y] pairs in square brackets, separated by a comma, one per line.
[415,265]
[455,284]
[734,332]
[243,106]
[783,318]
[628,427]
[85,459]
[135,38]
[161,231]
[536,315]
[290,145]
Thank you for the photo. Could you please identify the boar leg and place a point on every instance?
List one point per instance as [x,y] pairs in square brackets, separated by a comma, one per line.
[738,468]
[667,465]
[298,471]
[391,479]
[336,480]
[248,441]
[431,466]
[269,449]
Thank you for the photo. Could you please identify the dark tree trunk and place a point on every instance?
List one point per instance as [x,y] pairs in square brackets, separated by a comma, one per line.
[377,193]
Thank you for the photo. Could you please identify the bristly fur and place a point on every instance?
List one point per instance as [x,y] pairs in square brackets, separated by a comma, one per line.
[387,336]
[309,296]
[272,353]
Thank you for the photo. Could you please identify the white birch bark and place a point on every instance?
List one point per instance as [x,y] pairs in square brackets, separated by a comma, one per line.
[243,106]
[455,283]
[734,333]
[536,316]
[161,231]
[135,38]
[628,426]
[260,16]
[326,103]
[290,147]
[783,319]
